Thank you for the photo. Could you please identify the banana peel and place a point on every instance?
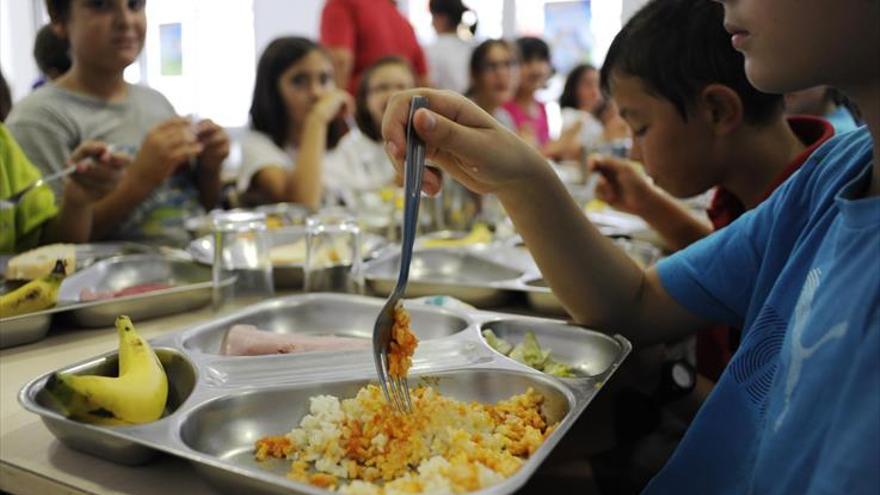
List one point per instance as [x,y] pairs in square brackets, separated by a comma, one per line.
[138,395]
[35,295]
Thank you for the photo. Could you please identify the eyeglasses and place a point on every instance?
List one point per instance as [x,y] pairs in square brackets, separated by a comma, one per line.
[499,65]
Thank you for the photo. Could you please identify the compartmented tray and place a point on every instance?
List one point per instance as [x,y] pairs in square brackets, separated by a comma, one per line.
[460,273]
[191,287]
[485,276]
[31,327]
[277,215]
[285,275]
[220,405]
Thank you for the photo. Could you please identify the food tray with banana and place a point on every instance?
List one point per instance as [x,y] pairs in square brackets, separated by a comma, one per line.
[287,252]
[281,398]
[485,275]
[141,285]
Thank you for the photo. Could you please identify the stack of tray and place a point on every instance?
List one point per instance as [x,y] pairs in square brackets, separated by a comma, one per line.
[220,405]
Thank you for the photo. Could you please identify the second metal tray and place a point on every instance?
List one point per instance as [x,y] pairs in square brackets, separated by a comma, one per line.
[190,281]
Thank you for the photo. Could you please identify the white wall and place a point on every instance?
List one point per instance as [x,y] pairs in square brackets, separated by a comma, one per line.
[274,18]
[19,20]
[629,8]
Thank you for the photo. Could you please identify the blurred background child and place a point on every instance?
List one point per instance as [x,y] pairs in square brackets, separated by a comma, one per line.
[296,123]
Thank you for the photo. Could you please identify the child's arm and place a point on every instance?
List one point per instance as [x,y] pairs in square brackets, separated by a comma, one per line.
[626,188]
[215,143]
[594,280]
[304,184]
[98,174]
[166,147]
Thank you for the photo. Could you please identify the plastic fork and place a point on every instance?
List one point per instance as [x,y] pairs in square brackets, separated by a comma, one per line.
[396,389]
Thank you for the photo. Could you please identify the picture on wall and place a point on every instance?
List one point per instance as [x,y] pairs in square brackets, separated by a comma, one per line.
[564,30]
[170,49]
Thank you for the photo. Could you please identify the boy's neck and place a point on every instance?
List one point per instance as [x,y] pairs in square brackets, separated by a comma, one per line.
[106,85]
[758,157]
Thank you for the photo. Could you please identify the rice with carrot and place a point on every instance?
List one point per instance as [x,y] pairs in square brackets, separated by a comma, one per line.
[362,446]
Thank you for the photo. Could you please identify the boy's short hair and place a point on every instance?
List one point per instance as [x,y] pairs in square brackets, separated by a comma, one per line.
[677,48]
[361,113]
[531,48]
[58,9]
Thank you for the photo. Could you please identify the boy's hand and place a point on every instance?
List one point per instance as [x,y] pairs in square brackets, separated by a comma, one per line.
[622,184]
[331,105]
[215,145]
[166,147]
[98,172]
[463,140]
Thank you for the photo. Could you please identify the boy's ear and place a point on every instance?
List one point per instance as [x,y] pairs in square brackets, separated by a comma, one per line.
[60,29]
[722,108]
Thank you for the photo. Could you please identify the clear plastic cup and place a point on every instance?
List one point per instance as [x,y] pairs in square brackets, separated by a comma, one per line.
[333,253]
[241,250]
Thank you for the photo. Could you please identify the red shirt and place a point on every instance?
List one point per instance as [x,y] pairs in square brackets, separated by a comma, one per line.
[371,29]
[716,346]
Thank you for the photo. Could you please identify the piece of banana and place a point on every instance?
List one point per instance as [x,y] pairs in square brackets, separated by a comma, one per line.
[137,395]
[35,295]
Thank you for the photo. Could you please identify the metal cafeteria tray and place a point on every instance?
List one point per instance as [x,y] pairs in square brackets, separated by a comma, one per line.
[287,275]
[456,272]
[219,405]
[283,214]
[191,288]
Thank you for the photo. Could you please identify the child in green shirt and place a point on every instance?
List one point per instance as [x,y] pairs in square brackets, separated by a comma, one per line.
[36,218]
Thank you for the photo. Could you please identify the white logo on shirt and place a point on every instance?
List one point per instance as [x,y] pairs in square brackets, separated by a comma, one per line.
[799,352]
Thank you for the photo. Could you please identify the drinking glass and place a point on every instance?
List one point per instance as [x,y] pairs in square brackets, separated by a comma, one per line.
[242,270]
[333,253]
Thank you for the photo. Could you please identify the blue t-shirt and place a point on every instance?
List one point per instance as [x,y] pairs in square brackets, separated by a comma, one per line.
[797,410]
[842,120]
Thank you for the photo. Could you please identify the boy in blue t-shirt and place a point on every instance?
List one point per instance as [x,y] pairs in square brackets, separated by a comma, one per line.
[798,408]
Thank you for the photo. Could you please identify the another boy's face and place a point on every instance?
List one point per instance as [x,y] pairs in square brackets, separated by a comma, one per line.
[676,153]
[794,44]
[107,33]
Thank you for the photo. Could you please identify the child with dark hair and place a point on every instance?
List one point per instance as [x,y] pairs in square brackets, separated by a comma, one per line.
[581,96]
[362,163]
[494,74]
[825,102]
[527,116]
[697,124]
[50,53]
[296,122]
[449,55]
[523,113]
[36,218]
[796,410]
[176,169]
